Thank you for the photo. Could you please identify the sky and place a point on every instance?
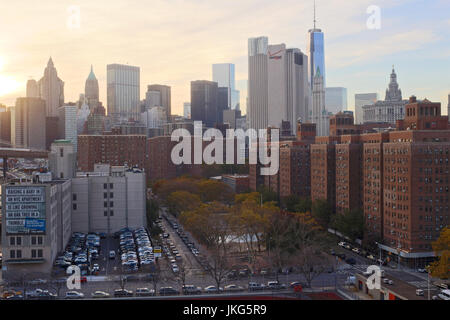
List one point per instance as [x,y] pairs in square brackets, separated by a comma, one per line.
[176,41]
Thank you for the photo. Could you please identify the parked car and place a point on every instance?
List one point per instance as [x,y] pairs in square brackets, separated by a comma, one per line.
[100,294]
[168,291]
[275,285]
[254,286]
[191,289]
[112,254]
[74,295]
[123,293]
[212,289]
[233,288]
[144,292]
[350,261]
[419,292]
[356,250]
[422,270]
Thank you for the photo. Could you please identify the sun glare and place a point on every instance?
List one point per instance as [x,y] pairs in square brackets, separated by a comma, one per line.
[7,84]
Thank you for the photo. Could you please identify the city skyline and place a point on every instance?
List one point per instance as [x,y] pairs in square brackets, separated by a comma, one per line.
[356,58]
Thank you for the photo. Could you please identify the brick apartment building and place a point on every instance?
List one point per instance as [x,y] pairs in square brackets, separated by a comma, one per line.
[115,150]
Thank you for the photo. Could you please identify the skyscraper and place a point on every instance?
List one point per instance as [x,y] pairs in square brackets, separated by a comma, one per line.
[316,52]
[187,110]
[91,91]
[68,124]
[204,105]
[164,97]
[28,123]
[224,75]
[123,92]
[288,90]
[32,89]
[319,113]
[258,83]
[362,99]
[448,106]
[51,89]
[335,99]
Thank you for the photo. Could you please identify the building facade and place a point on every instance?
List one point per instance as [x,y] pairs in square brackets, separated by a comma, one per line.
[108,199]
[363,99]
[29,123]
[391,109]
[91,90]
[159,95]
[123,92]
[115,150]
[204,102]
[68,124]
[51,89]
[336,99]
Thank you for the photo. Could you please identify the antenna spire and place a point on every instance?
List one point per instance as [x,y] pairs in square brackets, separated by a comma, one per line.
[314,14]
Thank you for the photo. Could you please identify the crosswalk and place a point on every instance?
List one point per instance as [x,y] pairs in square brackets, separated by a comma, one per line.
[419,284]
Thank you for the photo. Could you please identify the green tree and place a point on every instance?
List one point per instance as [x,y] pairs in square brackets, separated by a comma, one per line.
[350,223]
[322,212]
[179,201]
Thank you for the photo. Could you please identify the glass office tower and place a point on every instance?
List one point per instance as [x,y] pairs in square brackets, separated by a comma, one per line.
[123,92]
[224,75]
[316,54]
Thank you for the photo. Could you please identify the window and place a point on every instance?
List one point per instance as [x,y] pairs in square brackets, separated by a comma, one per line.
[12,241]
[33,240]
[61,152]
[111,186]
[40,240]
[33,253]
[105,213]
[105,195]
[40,253]
[105,186]
[12,254]
[105,204]
[19,241]
[74,197]
[111,213]
[111,204]
[74,206]
[19,254]
[111,194]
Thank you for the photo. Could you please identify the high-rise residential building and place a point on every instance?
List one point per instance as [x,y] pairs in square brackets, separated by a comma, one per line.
[258,83]
[204,104]
[316,52]
[363,99]
[123,92]
[224,75]
[319,113]
[187,110]
[391,109]
[68,124]
[62,160]
[116,150]
[32,89]
[335,99]
[91,90]
[51,89]
[29,123]
[164,100]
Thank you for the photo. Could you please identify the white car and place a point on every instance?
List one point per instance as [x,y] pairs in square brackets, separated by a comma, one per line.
[211,289]
[74,295]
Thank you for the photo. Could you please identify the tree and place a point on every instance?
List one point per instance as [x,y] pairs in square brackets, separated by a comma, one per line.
[180,201]
[219,264]
[180,277]
[312,262]
[351,223]
[157,276]
[322,212]
[441,247]
[268,195]
[295,203]
[212,190]
[249,220]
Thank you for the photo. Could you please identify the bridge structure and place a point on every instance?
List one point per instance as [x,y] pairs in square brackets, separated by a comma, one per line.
[6,153]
